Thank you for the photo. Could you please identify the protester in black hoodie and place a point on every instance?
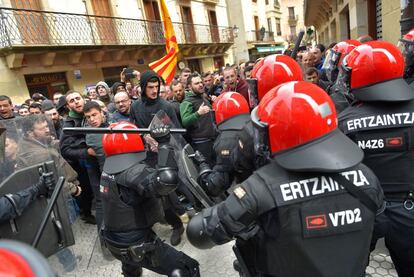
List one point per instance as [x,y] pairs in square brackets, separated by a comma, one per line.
[141,114]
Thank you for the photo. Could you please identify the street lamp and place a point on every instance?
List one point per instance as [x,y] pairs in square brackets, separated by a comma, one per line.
[235,31]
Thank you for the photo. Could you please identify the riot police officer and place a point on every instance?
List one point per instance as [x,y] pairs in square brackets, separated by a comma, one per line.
[236,158]
[13,204]
[270,72]
[338,90]
[233,146]
[407,44]
[314,197]
[381,123]
[131,193]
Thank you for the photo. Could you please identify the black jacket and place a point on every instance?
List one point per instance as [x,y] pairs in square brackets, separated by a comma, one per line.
[143,111]
[73,147]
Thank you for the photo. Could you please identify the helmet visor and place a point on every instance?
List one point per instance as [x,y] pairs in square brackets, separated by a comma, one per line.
[260,140]
[342,83]
[330,65]
[407,49]
[253,93]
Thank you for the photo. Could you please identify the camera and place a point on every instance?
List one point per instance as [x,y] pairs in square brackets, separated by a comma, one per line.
[129,74]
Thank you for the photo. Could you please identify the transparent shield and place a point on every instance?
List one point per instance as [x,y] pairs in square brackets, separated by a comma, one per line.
[253,94]
[330,65]
[187,169]
[30,151]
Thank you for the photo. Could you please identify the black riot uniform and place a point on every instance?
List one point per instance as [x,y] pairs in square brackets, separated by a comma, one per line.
[131,193]
[381,123]
[12,205]
[234,155]
[384,131]
[313,199]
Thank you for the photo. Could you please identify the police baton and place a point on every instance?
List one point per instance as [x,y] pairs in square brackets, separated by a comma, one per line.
[49,209]
[90,130]
[297,45]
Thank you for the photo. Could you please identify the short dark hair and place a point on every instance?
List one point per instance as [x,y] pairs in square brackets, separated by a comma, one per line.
[4,98]
[35,105]
[191,77]
[248,68]
[321,47]
[248,62]
[38,96]
[311,70]
[91,105]
[72,91]
[208,73]
[29,122]
[175,83]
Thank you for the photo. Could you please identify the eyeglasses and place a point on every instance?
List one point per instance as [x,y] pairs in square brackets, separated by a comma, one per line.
[122,101]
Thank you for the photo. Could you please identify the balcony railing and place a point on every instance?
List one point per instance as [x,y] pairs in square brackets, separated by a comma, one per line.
[293,19]
[257,36]
[41,28]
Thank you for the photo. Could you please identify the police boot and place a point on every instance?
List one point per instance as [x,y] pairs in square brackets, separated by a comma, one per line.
[176,235]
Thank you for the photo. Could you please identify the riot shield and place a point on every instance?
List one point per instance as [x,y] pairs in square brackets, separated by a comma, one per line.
[187,170]
[30,153]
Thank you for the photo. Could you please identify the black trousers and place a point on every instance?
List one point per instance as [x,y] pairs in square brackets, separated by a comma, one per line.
[396,226]
[169,259]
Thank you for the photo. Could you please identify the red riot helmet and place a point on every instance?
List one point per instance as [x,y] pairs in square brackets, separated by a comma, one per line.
[272,71]
[334,58]
[407,48]
[296,122]
[21,260]
[122,150]
[229,104]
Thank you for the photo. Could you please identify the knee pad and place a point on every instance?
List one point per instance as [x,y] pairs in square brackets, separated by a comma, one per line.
[188,266]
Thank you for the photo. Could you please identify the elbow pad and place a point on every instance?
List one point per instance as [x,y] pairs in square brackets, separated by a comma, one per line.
[205,230]
[166,181]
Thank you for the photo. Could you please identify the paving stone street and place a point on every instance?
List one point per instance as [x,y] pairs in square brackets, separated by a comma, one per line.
[217,261]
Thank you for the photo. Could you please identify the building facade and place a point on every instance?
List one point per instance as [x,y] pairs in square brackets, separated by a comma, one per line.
[292,20]
[259,28]
[52,45]
[336,20]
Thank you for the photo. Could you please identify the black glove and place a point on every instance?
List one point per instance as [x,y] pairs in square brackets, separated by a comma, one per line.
[45,185]
[201,161]
[199,158]
[161,133]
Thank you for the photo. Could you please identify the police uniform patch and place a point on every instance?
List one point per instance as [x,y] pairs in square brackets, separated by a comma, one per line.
[239,192]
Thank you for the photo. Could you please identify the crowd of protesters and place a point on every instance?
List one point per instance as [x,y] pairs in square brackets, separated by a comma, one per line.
[136,97]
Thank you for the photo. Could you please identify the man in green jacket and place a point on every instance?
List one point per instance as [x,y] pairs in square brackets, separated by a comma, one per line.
[198,119]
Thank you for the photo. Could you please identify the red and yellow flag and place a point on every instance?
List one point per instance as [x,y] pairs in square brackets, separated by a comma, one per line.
[166,66]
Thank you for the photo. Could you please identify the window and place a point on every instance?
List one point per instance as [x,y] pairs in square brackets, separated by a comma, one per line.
[269,24]
[278,28]
[291,12]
